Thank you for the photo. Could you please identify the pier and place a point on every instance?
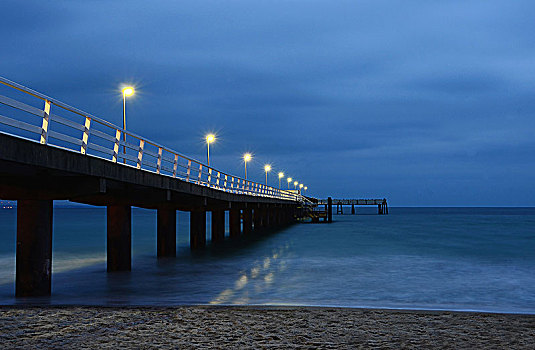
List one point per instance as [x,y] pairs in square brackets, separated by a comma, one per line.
[53,151]
[322,210]
[382,205]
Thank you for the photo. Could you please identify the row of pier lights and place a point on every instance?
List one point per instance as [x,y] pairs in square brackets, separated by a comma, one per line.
[128,91]
[247,157]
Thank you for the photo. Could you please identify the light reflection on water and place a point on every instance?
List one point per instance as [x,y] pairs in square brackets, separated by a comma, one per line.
[476,259]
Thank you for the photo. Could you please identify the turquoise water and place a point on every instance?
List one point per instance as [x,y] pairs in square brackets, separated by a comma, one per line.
[420,258]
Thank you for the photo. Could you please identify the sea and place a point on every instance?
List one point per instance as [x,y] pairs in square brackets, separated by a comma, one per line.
[469,259]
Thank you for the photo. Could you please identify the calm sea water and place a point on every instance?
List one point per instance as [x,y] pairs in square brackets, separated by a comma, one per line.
[420,258]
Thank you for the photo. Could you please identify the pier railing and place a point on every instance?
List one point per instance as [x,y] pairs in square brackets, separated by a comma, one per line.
[34,116]
[353,201]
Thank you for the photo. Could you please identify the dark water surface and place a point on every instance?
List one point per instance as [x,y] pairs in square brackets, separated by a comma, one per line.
[430,258]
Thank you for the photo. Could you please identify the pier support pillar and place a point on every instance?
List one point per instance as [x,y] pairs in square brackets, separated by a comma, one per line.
[286,219]
[265,217]
[329,209]
[197,229]
[119,241]
[285,216]
[257,218]
[380,209]
[218,226]
[269,216]
[385,207]
[352,209]
[166,236]
[278,216]
[234,223]
[34,248]
[247,221]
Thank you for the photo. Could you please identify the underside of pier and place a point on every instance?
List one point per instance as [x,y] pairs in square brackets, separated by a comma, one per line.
[35,175]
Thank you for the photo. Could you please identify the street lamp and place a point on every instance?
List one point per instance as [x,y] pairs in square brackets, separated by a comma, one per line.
[281,175]
[289,180]
[246,157]
[127,91]
[300,187]
[209,139]
[267,169]
[306,188]
[295,185]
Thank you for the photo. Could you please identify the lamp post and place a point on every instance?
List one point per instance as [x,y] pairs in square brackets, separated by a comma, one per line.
[267,169]
[127,91]
[209,139]
[306,188]
[289,181]
[246,157]
[300,187]
[295,185]
[281,175]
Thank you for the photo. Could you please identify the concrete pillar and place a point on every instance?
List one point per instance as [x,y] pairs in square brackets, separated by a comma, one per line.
[119,241]
[197,229]
[257,218]
[270,216]
[286,219]
[265,217]
[329,209]
[234,223]
[247,221]
[285,215]
[352,209]
[34,248]
[380,209]
[218,226]
[278,216]
[166,236]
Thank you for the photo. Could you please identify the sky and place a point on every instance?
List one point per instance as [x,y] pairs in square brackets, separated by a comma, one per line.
[426,103]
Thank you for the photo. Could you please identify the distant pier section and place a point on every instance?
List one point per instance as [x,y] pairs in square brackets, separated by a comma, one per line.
[323,209]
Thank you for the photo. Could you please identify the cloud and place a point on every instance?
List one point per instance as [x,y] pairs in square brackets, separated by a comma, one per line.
[349,96]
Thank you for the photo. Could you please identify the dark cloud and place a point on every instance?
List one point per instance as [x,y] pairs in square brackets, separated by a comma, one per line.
[426,103]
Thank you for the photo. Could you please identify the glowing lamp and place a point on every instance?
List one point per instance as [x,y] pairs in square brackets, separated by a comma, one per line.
[128,91]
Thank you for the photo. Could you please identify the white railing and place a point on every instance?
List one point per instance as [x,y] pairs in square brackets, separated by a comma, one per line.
[60,125]
[353,201]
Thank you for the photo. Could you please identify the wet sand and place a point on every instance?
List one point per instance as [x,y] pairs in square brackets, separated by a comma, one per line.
[259,328]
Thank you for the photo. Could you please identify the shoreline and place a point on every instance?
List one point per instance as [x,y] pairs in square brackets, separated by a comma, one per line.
[217,326]
[259,307]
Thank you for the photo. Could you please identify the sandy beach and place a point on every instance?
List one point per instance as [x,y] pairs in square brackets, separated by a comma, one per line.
[259,328]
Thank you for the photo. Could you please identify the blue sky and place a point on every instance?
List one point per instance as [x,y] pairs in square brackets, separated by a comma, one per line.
[426,103]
